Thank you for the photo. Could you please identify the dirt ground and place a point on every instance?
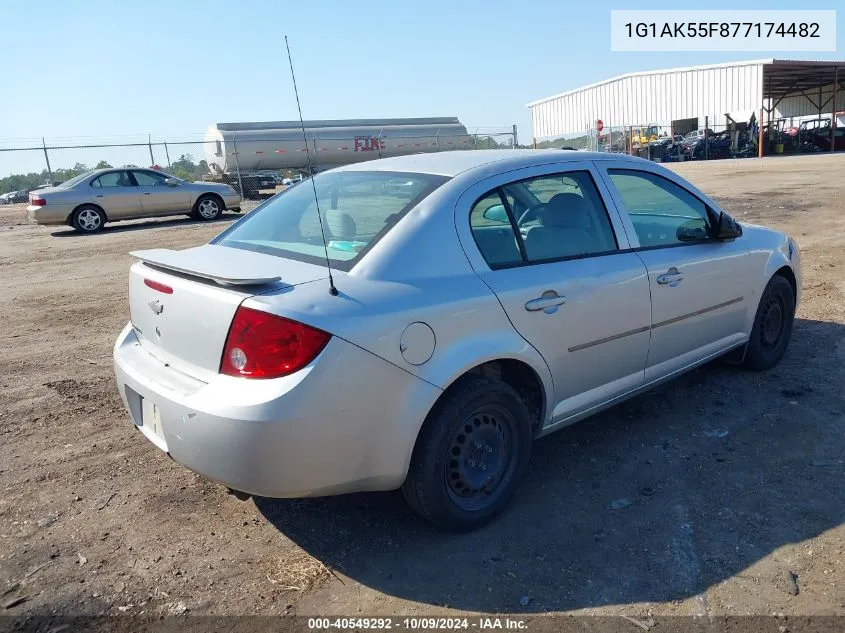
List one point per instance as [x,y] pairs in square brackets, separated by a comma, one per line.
[735,480]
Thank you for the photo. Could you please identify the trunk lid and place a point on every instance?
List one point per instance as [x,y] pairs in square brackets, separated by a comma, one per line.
[182,303]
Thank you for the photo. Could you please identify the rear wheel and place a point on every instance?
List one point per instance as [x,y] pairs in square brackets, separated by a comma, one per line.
[471,454]
[772,325]
[88,219]
[208,207]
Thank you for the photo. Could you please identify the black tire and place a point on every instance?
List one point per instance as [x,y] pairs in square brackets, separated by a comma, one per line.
[208,208]
[478,421]
[88,219]
[772,325]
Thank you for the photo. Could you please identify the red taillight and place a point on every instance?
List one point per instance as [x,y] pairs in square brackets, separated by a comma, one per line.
[262,345]
[155,285]
[35,201]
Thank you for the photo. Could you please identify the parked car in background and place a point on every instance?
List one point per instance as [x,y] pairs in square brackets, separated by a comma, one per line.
[16,197]
[275,176]
[497,296]
[4,199]
[713,146]
[91,199]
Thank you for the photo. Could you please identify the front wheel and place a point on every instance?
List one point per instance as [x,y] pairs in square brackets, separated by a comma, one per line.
[772,325]
[471,454]
[208,208]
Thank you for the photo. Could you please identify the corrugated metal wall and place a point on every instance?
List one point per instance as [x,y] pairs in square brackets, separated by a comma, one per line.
[648,98]
[801,106]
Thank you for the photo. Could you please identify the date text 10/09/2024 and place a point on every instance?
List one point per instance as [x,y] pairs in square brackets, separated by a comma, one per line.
[418,623]
[723,29]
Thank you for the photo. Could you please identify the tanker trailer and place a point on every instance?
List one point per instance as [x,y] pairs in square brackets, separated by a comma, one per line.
[234,151]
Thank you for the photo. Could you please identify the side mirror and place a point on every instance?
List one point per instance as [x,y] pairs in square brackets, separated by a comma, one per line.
[727,228]
[171,182]
[496,213]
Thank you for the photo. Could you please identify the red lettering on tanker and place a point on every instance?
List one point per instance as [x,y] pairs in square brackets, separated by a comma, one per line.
[368,144]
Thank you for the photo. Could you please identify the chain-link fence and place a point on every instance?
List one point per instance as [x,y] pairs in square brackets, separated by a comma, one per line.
[255,167]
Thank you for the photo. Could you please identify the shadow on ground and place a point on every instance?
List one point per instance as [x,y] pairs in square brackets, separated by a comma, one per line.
[721,467]
[153,223]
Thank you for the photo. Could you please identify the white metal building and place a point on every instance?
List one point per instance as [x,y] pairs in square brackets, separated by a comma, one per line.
[683,97]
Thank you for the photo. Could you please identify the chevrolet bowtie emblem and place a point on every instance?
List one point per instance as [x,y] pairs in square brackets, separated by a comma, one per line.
[155,306]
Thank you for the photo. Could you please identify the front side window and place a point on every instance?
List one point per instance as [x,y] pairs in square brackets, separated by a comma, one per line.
[663,213]
[149,179]
[358,208]
[113,179]
[554,217]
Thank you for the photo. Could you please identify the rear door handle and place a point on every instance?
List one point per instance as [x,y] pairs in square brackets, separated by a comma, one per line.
[146,193]
[548,302]
[672,277]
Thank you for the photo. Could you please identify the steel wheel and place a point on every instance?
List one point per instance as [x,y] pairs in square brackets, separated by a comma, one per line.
[772,322]
[471,454]
[480,458]
[772,325]
[208,208]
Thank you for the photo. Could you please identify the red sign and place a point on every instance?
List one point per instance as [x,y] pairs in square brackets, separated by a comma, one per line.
[599,125]
[368,144]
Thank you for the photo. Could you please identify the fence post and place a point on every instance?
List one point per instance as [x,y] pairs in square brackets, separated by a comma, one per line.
[515,142]
[631,140]
[378,140]
[437,139]
[237,165]
[150,145]
[706,138]
[47,158]
[167,154]
[833,109]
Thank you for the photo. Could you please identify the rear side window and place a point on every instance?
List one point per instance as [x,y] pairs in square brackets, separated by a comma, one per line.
[358,208]
[550,218]
[493,232]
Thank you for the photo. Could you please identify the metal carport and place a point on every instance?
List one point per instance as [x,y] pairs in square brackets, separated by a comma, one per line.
[795,88]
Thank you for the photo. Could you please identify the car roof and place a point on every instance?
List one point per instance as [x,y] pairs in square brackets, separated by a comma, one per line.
[452,163]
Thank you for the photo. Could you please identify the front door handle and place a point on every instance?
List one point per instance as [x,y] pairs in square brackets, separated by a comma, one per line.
[672,277]
[548,302]
[146,193]
[99,195]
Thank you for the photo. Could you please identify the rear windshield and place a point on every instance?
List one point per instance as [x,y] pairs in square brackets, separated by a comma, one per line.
[358,208]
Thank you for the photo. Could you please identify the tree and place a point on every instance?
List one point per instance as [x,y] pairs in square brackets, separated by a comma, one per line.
[186,169]
[102,165]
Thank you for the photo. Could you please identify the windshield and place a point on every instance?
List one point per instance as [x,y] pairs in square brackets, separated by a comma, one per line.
[358,208]
[75,180]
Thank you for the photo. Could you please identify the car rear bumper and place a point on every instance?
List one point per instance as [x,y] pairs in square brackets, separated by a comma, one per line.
[345,423]
[49,214]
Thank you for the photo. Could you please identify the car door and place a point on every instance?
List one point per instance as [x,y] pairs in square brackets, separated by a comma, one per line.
[157,197]
[557,259]
[700,286]
[117,194]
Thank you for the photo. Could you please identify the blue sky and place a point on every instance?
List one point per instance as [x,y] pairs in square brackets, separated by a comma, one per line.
[100,68]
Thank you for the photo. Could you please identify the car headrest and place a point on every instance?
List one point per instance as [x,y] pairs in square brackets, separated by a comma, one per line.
[567,211]
[341,225]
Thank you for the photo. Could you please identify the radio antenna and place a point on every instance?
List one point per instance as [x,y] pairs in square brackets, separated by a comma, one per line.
[332,289]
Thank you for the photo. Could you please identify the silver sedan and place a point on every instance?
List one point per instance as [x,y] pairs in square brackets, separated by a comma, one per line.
[453,308]
[89,200]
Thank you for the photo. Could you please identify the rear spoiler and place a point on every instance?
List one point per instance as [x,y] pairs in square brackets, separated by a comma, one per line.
[224,266]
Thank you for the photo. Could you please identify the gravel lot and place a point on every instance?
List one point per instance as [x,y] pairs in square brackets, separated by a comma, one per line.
[735,480]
